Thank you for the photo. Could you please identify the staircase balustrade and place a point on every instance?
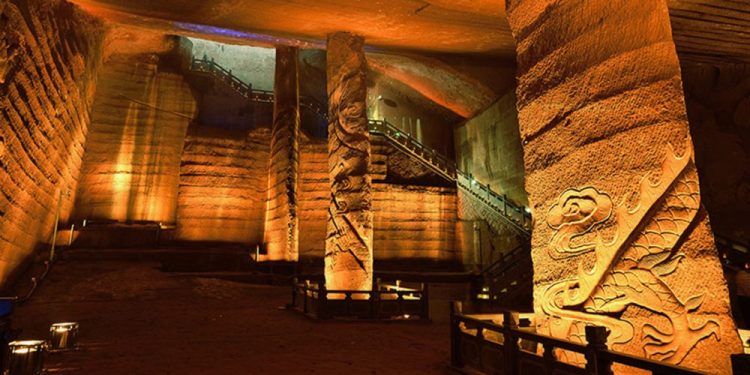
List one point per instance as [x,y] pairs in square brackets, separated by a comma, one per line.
[519,217]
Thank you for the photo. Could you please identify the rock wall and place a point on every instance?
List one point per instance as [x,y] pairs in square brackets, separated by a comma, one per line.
[140,117]
[718,104]
[488,147]
[349,238]
[482,234]
[414,222]
[250,64]
[620,236]
[223,180]
[49,56]
[314,197]
[411,112]
[282,223]
[410,221]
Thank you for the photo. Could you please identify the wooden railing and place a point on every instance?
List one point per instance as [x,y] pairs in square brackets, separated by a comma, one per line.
[479,344]
[733,252]
[505,278]
[388,303]
[246,89]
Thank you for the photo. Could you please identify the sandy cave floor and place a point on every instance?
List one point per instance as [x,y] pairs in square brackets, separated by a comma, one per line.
[137,320]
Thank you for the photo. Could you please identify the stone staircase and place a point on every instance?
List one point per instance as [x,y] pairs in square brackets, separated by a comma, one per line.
[507,279]
[518,217]
[507,282]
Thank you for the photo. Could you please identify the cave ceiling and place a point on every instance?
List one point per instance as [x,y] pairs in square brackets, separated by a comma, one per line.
[705,31]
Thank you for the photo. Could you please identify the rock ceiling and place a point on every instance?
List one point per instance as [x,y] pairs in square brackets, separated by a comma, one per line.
[707,31]
[704,30]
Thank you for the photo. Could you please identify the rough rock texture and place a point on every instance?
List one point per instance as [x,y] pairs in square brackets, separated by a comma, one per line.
[49,56]
[282,221]
[314,198]
[414,222]
[411,112]
[348,258]
[223,181]
[718,103]
[413,214]
[132,163]
[482,234]
[488,147]
[619,235]
[250,64]
[436,80]
[711,31]
[447,26]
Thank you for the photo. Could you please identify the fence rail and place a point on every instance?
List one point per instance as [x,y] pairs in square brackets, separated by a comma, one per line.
[388,303]
[485,346]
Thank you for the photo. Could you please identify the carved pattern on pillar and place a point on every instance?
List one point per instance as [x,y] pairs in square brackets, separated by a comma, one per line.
[348,257]
[630,268]
[600,98]
[282,223]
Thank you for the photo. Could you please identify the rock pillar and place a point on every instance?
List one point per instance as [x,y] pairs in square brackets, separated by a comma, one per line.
[282,229]
[348,256]
[620,237]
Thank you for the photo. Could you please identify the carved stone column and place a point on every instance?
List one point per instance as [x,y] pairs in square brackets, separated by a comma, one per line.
[348,257]
[620,237]
[282,229]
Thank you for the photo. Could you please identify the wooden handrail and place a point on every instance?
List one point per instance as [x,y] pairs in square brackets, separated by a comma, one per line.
[599,359]
[505,257]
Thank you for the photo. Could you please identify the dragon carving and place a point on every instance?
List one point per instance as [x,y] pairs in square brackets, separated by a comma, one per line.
[628,269]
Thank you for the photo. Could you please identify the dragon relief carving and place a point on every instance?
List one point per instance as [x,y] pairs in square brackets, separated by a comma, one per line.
[628,269]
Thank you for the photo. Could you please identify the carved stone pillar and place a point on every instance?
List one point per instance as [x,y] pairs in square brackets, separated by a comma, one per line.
[282,230]
[620,237]
[348,257]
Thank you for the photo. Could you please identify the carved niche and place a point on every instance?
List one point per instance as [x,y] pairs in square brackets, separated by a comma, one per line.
[631,258]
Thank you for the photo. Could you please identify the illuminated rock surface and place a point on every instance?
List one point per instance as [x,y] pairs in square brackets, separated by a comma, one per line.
[620,235]
[223,182]
[48,66]
[349,238]
[282,220]
[133,152]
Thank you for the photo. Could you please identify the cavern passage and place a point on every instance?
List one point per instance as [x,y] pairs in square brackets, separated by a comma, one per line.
[448,186]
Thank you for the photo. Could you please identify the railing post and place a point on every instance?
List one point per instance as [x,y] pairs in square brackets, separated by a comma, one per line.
[596,338]
[510,343]
[294,292]
[456,361]
[425,315]
[322,312]
[549,358]
[305,291]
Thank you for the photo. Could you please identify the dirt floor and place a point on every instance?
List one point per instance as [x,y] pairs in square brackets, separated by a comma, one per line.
[137,320]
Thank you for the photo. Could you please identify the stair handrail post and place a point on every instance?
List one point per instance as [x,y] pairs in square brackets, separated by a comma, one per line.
[456,361]
[596,338]
[510,342]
